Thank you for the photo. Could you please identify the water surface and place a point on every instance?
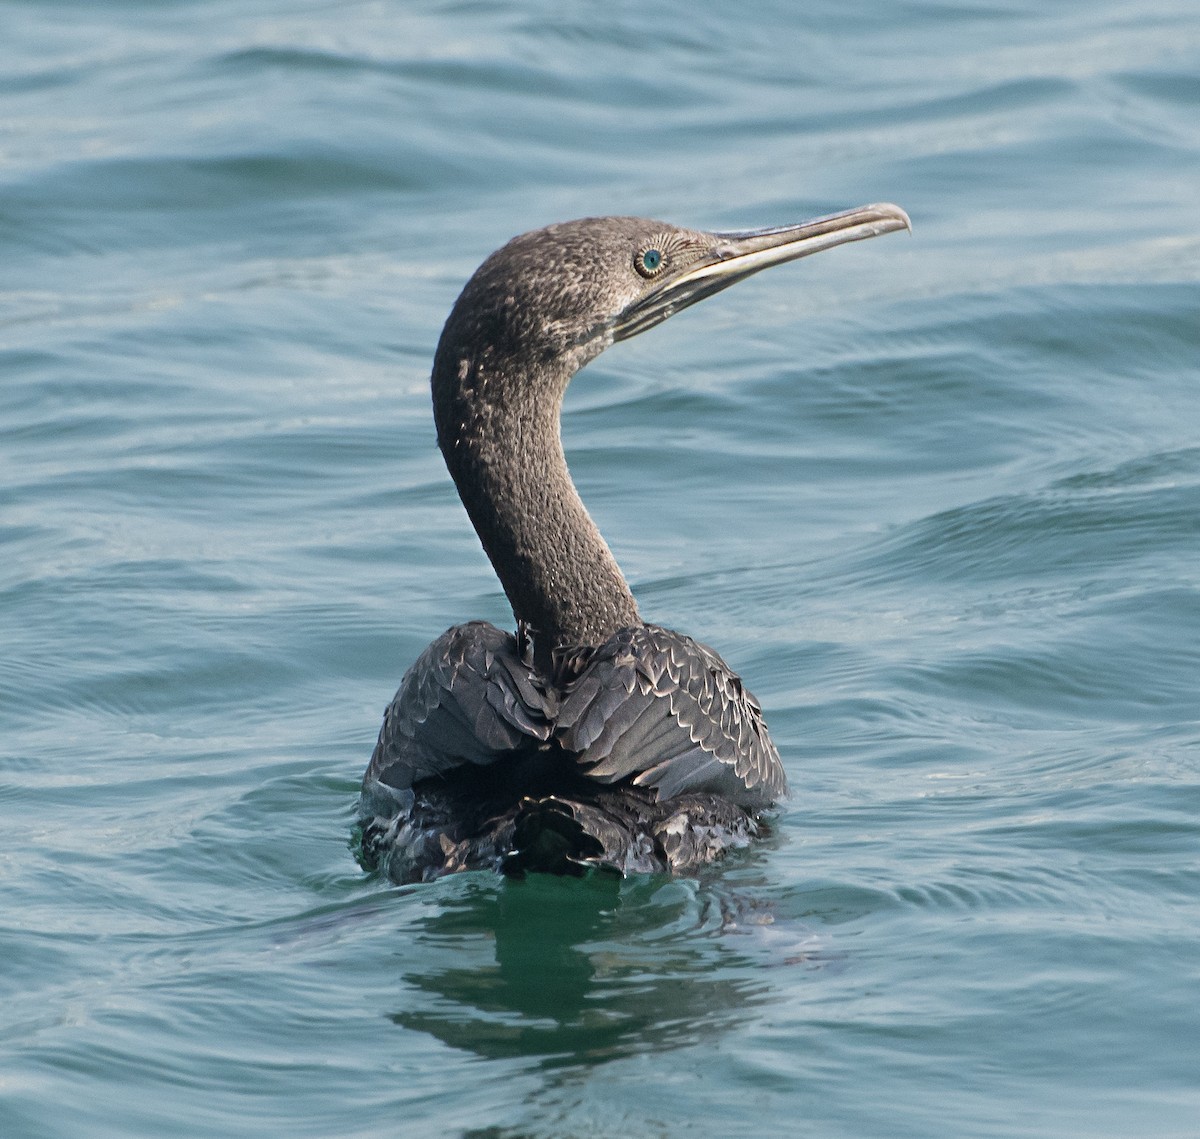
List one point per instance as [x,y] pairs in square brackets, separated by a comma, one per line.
[936,498]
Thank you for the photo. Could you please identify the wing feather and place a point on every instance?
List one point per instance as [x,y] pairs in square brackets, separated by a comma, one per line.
[649,706]
[660,708]
[468,698]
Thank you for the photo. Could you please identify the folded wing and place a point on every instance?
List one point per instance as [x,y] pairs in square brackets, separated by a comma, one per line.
[470,697]
[667,713]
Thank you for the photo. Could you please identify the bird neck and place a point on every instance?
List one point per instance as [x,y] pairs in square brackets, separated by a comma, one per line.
[500,434]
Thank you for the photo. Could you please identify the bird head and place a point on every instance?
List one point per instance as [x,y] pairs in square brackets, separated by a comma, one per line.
[554,298]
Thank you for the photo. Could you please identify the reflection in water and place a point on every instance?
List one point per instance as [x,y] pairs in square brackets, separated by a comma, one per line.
[580,970]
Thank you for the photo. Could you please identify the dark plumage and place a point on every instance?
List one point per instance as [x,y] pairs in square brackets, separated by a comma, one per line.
[590,738]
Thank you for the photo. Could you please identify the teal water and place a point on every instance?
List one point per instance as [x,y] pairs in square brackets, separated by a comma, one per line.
[936,498]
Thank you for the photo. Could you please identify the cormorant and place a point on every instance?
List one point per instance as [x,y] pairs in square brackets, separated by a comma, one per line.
[589,738]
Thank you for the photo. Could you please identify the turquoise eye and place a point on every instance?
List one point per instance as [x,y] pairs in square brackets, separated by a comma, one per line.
[649,262]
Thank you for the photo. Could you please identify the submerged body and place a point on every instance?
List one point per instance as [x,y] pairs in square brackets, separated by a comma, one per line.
[589,738]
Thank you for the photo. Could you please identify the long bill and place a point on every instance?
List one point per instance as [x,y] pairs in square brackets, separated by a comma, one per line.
[737,255]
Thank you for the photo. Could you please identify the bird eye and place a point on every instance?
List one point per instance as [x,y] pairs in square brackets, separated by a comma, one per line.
[649,262]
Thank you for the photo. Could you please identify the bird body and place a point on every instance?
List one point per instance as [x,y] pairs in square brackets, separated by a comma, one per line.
[589,738]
